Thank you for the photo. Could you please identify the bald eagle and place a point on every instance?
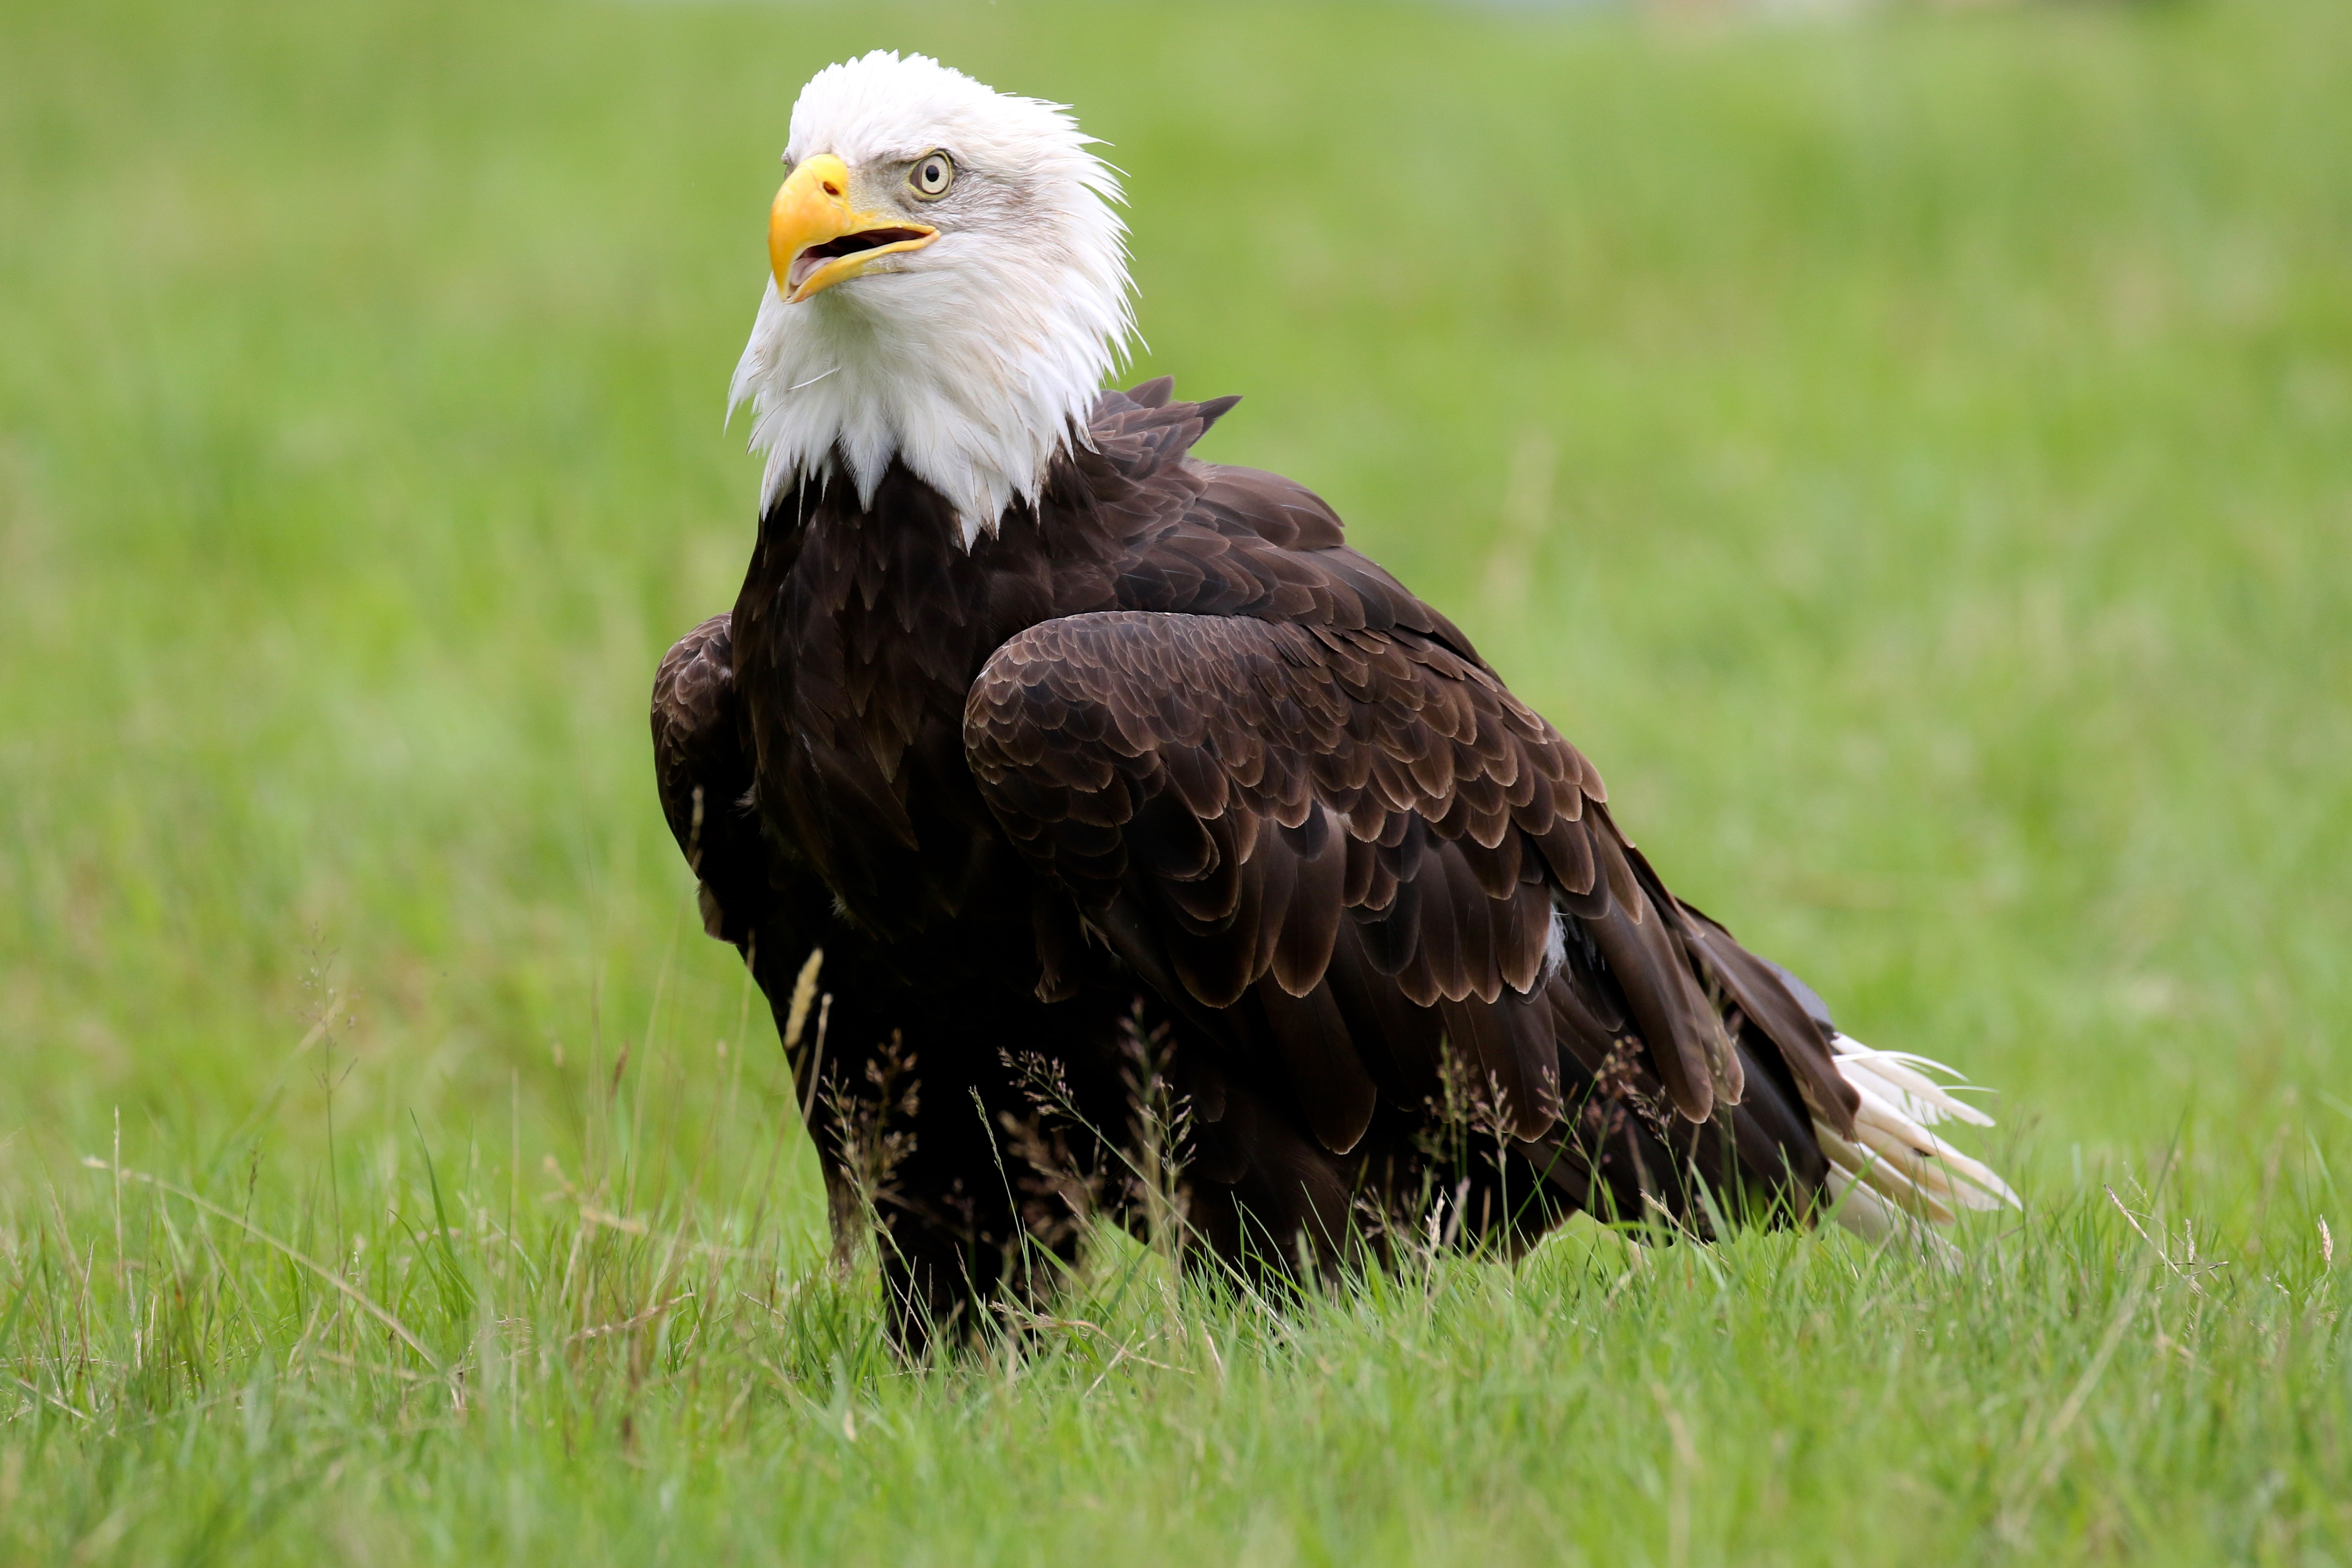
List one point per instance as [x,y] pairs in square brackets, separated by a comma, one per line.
[1068,750]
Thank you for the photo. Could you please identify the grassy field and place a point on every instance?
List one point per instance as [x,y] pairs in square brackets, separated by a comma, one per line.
[1913,458]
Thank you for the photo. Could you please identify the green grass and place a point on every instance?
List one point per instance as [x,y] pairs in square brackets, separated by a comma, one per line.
[1933,454]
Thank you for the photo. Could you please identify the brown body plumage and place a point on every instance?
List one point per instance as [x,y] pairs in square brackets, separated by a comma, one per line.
[1164,757]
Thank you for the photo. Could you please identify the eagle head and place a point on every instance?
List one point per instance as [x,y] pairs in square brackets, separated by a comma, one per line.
[947,287]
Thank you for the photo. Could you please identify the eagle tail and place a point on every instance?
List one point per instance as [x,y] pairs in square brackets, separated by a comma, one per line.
[1893,1173]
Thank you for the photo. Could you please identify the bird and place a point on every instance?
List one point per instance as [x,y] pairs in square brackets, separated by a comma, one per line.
[1135,827]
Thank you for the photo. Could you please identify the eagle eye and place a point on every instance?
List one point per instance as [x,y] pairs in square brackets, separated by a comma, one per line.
[932,175]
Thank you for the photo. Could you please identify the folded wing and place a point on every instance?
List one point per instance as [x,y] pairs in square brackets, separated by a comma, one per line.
[1355,849]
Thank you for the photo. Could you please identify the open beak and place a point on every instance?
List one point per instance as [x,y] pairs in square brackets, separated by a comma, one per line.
[815,240]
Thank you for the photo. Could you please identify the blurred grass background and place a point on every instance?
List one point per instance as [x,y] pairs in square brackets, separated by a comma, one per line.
[1913,456]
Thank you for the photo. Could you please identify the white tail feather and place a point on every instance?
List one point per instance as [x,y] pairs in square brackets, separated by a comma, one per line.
[1917,1095]
[1925,1159]
[1893,1173]
[1871,1168]
[1860,1210]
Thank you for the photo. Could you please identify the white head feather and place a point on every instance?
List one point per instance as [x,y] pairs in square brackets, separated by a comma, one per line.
[974,358]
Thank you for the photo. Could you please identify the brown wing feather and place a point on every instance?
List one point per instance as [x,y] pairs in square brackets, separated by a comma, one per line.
[704,773]
[1265,797]
[705,778]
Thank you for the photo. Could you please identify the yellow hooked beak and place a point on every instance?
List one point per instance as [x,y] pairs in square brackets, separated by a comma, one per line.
[815,241]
